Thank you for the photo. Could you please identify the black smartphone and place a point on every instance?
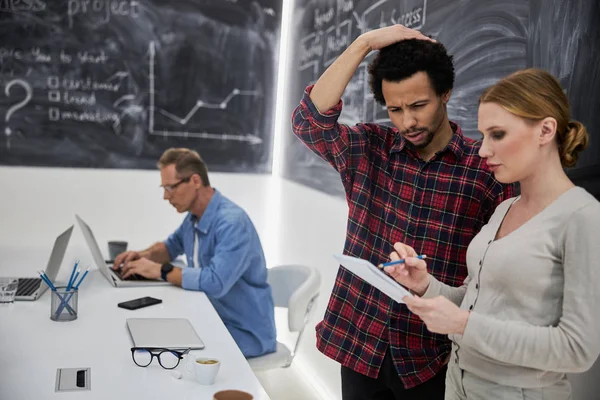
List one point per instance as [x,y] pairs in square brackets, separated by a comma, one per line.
[139,303]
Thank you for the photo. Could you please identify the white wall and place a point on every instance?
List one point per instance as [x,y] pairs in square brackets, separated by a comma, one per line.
[296,225]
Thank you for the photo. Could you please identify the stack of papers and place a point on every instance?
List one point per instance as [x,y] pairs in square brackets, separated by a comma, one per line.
[373,275]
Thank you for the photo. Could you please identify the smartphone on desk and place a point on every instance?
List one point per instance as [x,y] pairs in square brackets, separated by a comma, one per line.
[139,303]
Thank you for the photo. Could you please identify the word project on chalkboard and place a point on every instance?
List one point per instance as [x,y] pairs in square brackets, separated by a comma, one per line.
[488,40]
[113,83]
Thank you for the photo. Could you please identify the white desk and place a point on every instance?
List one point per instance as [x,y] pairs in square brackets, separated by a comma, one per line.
[32,346]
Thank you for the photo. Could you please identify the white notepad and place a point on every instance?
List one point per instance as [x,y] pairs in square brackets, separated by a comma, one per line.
[168,333]
[373,275]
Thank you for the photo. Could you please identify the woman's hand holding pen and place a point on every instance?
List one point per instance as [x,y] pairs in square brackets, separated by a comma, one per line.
[412,273]
[439,314]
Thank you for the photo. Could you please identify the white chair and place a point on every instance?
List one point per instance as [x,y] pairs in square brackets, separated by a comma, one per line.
[295,287]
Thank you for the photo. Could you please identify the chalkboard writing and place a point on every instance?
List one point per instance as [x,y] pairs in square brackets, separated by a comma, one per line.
[489,39]
[112,83]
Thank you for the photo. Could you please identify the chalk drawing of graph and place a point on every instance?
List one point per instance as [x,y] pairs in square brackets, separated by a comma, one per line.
[183,121]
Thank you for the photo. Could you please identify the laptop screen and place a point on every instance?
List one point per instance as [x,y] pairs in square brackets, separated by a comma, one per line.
[58,253]
[93,245]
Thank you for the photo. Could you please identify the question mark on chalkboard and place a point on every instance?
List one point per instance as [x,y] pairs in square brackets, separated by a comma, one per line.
[15,107]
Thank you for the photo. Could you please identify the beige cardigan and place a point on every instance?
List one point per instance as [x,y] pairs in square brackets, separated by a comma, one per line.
[535,297]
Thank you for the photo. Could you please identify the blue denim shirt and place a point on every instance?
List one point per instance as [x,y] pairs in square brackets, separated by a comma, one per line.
[232,272]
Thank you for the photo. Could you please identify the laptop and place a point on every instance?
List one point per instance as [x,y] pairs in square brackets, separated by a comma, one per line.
[112,276]
[167,333]
[30,289]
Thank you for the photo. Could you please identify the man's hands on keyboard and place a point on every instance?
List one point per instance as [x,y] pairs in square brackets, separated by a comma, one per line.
[124,258]
[142,266]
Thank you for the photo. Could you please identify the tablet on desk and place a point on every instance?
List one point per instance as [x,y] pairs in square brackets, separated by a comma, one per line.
[168,333]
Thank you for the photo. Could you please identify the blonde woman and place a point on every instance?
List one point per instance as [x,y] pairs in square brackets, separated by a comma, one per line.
[528,312]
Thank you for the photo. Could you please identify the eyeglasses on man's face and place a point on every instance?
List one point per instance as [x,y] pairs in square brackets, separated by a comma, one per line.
[171,188]
[167,358]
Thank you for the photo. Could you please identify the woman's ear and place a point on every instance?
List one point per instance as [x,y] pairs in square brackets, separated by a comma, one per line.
[548,130]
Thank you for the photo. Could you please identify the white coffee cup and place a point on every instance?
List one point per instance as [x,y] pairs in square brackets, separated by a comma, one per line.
[205,369]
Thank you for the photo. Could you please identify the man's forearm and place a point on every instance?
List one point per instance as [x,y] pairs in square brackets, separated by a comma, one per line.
[328,90]
[157,252]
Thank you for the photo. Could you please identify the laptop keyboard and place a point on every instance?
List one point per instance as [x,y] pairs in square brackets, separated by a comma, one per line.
[134,277]
[28,286]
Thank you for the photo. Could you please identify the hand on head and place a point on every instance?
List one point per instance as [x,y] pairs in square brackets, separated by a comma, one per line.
[380,38]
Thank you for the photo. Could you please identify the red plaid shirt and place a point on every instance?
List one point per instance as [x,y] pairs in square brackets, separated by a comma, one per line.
[435,206]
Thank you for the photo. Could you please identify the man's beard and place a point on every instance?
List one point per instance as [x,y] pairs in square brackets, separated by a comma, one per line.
[428,138]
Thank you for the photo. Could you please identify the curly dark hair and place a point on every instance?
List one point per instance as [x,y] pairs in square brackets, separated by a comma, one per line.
[403,59]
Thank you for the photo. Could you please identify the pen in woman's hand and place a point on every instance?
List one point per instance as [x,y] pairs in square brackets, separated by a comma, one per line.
[391,263]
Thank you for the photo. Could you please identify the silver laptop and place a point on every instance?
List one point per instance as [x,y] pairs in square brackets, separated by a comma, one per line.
[113,277]
[167,333]
[30,289]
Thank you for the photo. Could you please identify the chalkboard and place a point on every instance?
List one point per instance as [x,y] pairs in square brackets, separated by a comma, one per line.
[113,83]
[489,39]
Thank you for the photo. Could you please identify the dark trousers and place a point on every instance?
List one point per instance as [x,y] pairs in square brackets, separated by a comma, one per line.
[388,385]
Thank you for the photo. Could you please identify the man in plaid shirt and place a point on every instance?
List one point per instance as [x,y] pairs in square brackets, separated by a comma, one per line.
[421,183]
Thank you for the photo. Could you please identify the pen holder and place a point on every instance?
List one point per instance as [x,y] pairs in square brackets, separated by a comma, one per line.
[63,304]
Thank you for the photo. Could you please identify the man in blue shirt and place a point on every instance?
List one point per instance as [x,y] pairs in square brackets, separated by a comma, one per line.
[223,252]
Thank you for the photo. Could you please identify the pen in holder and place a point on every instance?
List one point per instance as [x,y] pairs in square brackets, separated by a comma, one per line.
[63,304]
